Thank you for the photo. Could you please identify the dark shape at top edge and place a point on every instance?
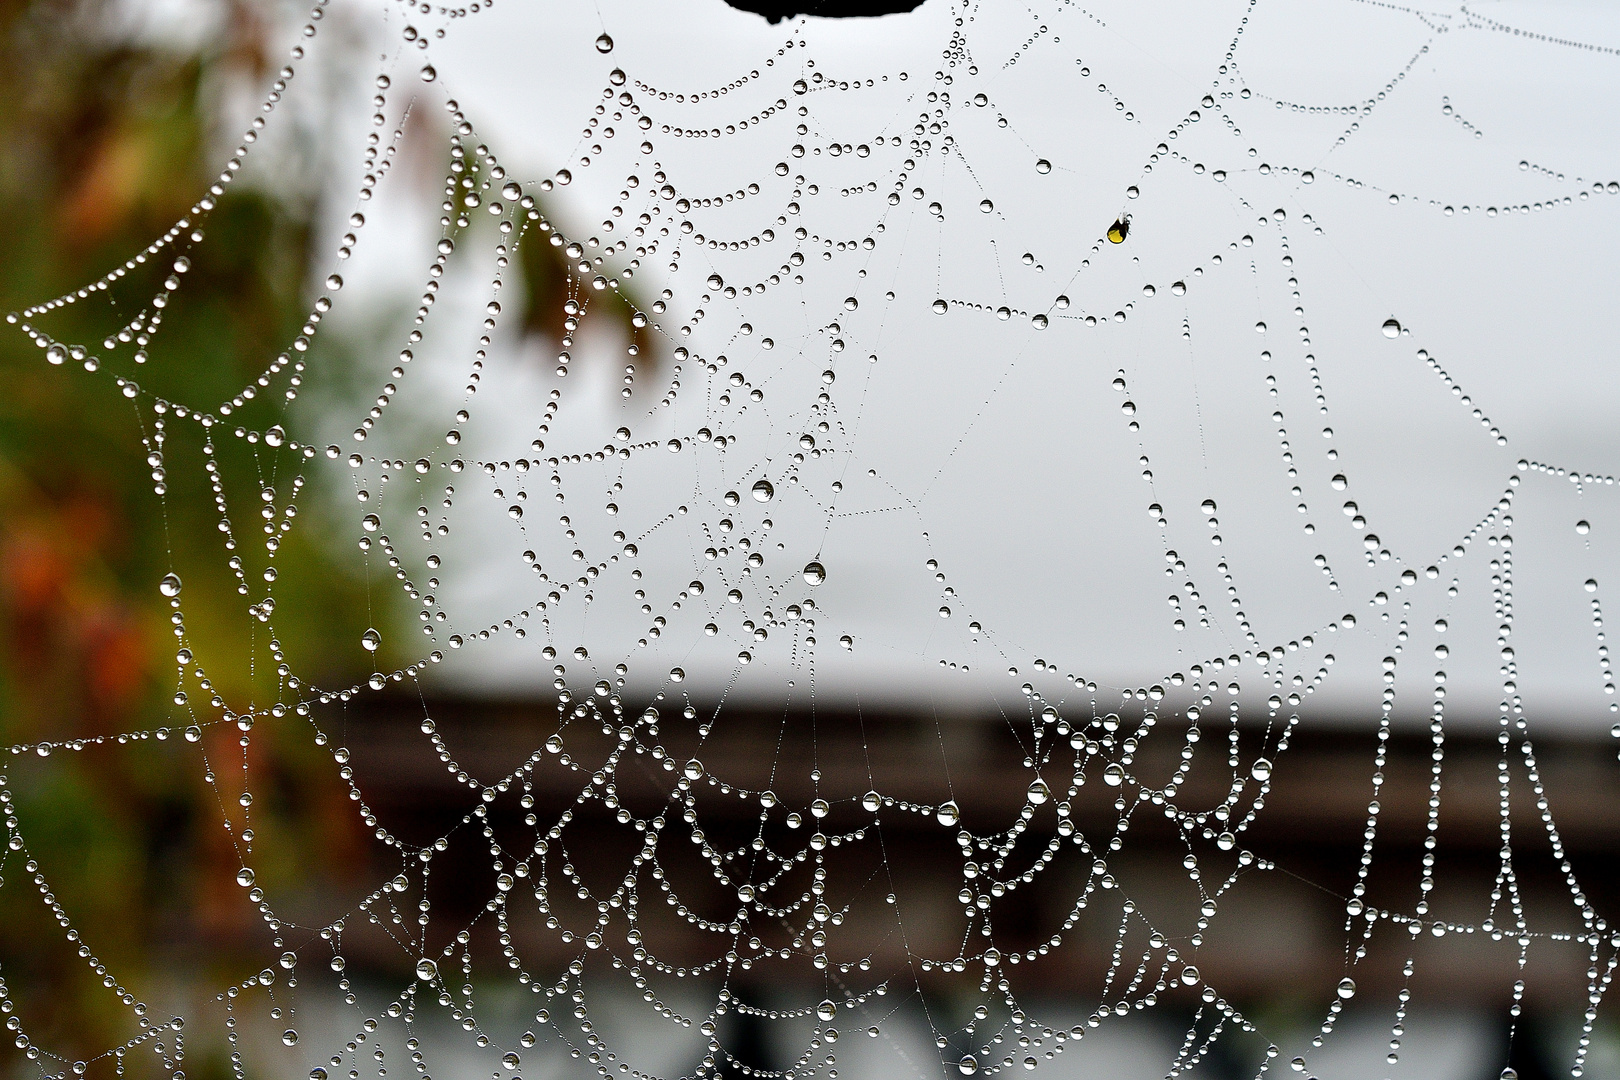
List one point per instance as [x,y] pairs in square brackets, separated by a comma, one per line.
[777,10]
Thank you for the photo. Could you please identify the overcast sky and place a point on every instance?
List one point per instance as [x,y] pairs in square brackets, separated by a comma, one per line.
[1004,451]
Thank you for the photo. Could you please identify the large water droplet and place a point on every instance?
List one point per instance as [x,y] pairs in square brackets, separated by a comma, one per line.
[1347,988]
[1392,329]
[1261,769]
[604,44]
[244,877]
[763,491]
[170,585]
[814,573]
[511,1061]
[289,1037]
[428,74]
[949,813]
[370,640]
[826,1010]
[427,970]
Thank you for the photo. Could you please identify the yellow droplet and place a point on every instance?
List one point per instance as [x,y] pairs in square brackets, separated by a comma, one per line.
[1119,230]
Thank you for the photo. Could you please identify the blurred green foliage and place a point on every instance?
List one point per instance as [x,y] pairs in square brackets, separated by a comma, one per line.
[102,149]
[104,146]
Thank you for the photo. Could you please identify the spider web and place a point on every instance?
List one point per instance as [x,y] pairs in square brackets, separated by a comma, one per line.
[919,322]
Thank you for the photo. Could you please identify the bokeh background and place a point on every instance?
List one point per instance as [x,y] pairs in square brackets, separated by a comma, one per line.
[116,115]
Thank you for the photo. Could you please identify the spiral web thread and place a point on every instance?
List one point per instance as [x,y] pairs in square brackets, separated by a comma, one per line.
[791,900]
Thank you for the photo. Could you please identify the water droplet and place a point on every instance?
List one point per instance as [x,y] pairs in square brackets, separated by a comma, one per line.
[941,307]
[289,1037]
[515,513]
[1261,770]
[949,813]
[1591,584]
[170,585]
[1043,166]
[1392,328]
[371,523]
[317,1073]
[370,640]
[334,282]
[427,970]
[193,734]
[428,74]
[511,191]
[604,44]
[676,674]
[969,1065]
[1119,230]
[826,1010]
[871,801]
[244,877]
[1189,975]
[1510,1073]
[985,206]
[1583,527]
[814,573]
[1039,792]
[763,491]
[511,1061]
[1114,775]
[1347,988]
